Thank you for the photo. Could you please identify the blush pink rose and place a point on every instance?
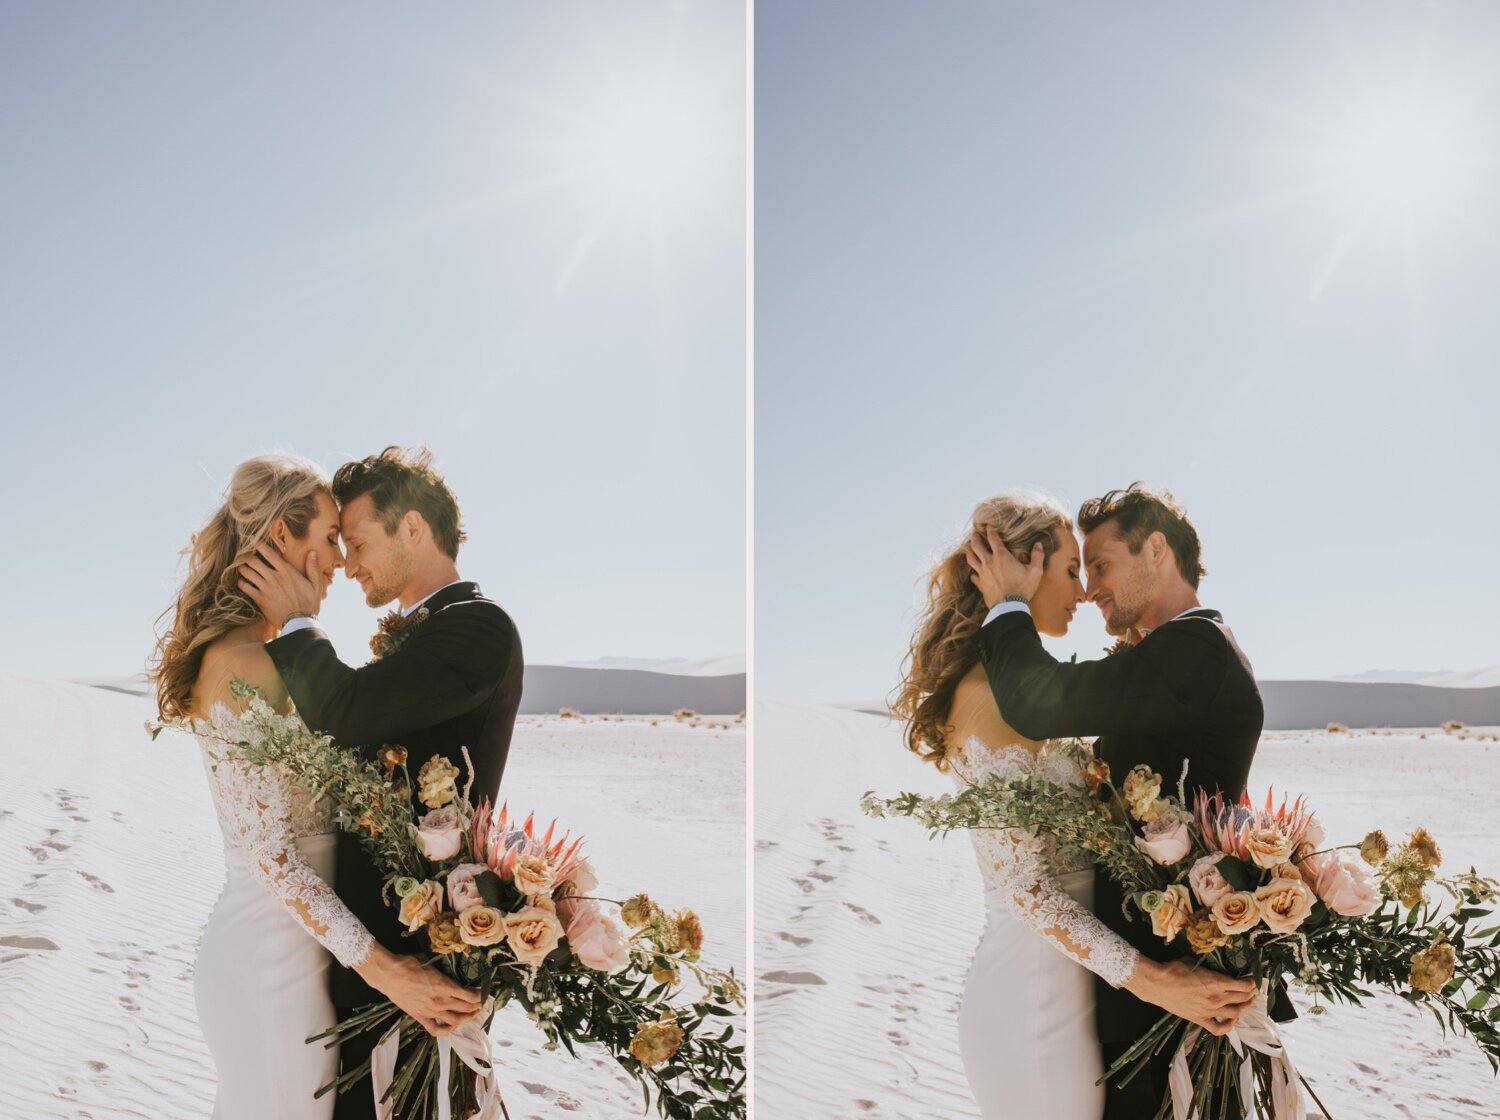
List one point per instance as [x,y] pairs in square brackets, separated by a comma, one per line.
[1344,886]
[1207,883]
[597,940]
[1166,840]
[440,834]
[463,891]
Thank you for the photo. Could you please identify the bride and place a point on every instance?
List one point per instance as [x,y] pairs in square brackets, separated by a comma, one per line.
[261,978]
[1026,1022]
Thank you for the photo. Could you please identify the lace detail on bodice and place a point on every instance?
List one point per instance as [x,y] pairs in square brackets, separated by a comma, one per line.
[262,814]
[1022,870]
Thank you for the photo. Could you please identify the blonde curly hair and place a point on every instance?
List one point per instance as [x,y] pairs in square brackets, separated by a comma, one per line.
[209,605]
[942,649]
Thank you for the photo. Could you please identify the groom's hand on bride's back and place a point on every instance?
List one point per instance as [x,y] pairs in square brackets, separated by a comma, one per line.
[440,1004]
[1210,999]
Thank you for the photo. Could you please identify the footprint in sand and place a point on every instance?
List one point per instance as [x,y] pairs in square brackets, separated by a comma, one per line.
[32,907]
[864,1105]
[41,854]
[897,1038]
[554,1096]
[781,977]
[129,1003]
[97,1067]
[807,888]
[29,943]
[766,845]
[97,883]
[800,942]
[864,915]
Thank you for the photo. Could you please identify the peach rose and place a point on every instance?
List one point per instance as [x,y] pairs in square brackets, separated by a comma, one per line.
[1344,886]
[1268,846]
[532,933]
[463,891]
[1166,840]
[423,905]
[1207,883]
[532,875]
[1285,904]
[597,940]
[1176,908]
[1237,912]
[440,834]
[583,879]
[481,925]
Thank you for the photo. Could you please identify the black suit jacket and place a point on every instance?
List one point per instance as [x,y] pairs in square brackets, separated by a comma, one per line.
[1185,693]
[455,681]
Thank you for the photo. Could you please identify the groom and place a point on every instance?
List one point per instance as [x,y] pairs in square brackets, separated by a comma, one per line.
[1183,692]
[447,673]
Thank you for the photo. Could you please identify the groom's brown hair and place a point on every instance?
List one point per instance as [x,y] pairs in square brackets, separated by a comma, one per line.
[398,480]
[1139,511]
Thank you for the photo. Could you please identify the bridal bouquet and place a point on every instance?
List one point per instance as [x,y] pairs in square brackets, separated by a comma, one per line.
[511,910]
[1255,892]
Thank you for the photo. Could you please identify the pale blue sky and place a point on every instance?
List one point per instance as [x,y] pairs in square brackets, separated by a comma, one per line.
[1249,252]
[514,232]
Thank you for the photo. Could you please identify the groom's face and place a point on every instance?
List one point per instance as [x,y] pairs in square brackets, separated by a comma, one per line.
[1120,583]
[381,561]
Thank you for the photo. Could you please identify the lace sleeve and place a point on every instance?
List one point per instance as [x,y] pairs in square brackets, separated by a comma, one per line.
[253,807]
[1018,873]
[1020,876]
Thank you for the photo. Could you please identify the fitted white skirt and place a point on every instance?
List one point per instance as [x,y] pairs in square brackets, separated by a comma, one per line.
[261,985]
[1026,1025]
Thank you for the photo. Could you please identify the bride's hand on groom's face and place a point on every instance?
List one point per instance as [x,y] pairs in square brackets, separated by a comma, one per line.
[997,573]
[279,589]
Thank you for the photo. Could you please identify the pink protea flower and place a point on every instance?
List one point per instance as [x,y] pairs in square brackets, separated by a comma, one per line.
[503,845]
[1227,827]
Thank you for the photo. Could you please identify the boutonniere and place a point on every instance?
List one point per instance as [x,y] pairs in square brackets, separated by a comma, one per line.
[393,631]
[1120,646]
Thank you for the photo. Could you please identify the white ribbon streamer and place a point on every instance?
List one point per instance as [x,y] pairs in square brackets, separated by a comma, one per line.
[1256,1030]
[470,1043]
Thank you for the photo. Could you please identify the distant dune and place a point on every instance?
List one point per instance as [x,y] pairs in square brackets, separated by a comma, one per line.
[549,688]
[1299,705]
[1471,697]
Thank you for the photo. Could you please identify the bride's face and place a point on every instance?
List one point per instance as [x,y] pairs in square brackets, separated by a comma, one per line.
[1061,590]
[322,538]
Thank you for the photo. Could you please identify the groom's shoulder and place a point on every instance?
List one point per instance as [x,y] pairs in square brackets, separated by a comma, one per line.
[476,610]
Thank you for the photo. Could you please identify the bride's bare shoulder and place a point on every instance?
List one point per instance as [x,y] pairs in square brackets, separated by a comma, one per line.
[236,656]
[975,717]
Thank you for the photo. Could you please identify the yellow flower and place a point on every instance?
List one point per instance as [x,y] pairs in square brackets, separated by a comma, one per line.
[1374,848]
[1204,934]
[637,911]
[1425,848]
[1433,967]
[656,1043]
[689,933]
[1142,788]
[664,974]
[445,936]
[435,786]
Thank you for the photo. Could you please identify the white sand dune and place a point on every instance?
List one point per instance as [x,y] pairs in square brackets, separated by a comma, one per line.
[110,860]
[1471,678]
[865,928]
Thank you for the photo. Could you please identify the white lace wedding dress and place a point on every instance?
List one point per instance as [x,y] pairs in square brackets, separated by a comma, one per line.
[261,979]
[1026,1024]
